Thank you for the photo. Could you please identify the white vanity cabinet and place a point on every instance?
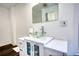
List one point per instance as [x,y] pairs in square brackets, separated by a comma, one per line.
[50,52]
[33,48]
[38,49]
[21,45]
[47,46]
[56,48]
[28,48]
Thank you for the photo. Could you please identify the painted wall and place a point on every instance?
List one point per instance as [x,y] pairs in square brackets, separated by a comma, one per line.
[77,20]
[5,26]
[55,28]
[15,22]
[21,20]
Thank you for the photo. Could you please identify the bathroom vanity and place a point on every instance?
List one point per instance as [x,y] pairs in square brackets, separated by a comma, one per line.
[44,46]
[56,48]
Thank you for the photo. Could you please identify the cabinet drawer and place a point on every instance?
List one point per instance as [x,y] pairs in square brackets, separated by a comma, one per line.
[49,52]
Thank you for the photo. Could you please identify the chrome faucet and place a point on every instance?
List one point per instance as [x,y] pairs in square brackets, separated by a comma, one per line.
[42,30]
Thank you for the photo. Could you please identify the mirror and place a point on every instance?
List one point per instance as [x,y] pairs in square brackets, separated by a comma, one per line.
[45,12]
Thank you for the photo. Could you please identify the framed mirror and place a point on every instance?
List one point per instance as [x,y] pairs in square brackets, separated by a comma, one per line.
[44,12]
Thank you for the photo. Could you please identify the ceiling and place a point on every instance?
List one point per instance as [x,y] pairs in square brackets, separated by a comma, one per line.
[7,5]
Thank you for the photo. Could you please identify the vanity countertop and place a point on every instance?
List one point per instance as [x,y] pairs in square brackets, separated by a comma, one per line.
[51,43]
[59,45]
[42,40]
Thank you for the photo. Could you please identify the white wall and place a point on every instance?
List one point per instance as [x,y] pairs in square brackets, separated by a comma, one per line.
[54,28]
[15,22]
[5,26]
[77,21]
[13,25]
[67,12]
[21,20]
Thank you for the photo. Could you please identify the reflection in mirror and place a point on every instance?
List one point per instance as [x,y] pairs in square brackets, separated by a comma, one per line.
[44,12]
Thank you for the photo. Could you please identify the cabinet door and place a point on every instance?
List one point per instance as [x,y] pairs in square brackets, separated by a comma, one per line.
[21,45]
[33,48]
[37,49]
[29,48]
[50,52]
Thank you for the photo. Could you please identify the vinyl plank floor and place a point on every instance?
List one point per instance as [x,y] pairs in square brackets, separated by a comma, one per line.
[8,51]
